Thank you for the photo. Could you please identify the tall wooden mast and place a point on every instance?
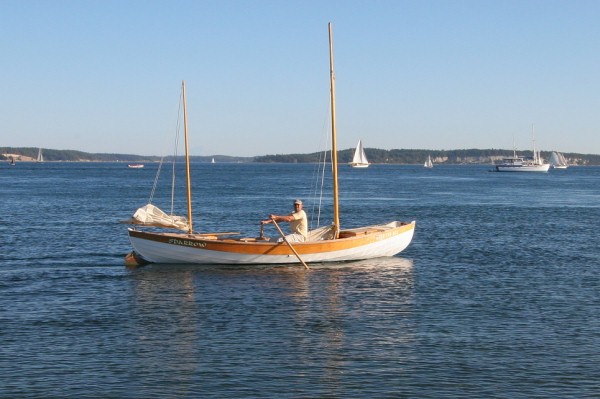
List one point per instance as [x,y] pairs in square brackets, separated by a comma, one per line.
[187,160]
[334,160]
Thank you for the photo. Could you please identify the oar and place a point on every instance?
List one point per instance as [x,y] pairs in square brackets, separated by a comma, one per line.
[289,244]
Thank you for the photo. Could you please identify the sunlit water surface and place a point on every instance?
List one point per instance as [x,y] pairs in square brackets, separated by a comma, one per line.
[498,295]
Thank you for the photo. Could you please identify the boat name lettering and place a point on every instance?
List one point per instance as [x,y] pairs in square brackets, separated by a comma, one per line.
[187,243]
[386,235]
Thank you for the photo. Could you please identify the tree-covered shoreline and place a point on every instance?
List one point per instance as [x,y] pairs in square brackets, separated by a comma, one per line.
[375,155]
[418,156]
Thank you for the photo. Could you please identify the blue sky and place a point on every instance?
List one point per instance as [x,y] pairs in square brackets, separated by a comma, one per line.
[104,76]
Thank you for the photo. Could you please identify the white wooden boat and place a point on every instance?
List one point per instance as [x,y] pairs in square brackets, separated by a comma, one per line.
[327,244]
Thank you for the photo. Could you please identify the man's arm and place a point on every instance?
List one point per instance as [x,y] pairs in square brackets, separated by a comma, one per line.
[278,218]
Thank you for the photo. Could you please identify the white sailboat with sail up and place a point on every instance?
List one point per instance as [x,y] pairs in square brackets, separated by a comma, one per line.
[359,160]
[428,163]
[40,156]
[558,161]
[327,244]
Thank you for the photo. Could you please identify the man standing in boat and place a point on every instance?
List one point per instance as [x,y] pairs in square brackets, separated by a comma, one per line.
[297,220]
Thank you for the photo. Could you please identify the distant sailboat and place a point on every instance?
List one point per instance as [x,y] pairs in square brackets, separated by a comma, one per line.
[360,158]
[428,163]
[212,160]
[40,156]
[558,161]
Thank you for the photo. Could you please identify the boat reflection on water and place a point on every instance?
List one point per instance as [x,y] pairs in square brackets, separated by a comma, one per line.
[163,313]
[346,312]
[189,319]
[383,264]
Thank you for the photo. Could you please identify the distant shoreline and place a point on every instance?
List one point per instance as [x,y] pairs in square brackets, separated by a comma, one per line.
[375,156]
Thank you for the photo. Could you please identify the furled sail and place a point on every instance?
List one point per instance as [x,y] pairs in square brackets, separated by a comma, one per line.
[322,233]
[150,215]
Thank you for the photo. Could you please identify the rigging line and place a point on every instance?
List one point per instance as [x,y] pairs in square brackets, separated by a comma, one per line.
[177,130]
[156,179]
[322,182]
[318,191]
[314,192]
[159,170]
[322,161]
[327,138]
[322,185]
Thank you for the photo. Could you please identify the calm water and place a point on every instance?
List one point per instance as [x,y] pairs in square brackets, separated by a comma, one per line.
[498,296]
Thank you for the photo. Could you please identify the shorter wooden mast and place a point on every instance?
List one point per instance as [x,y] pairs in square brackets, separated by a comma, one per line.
[187,160]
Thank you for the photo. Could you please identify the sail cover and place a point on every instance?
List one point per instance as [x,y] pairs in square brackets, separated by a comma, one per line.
[322,233]
[150,215]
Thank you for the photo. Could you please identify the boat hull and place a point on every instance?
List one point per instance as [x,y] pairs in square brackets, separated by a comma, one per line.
[523,168]
[356,244]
